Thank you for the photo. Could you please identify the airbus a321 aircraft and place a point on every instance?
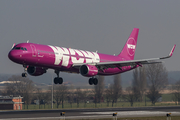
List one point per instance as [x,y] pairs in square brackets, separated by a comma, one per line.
[37,58]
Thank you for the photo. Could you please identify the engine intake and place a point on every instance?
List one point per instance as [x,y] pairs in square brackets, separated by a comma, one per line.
[35,71]
[88,70]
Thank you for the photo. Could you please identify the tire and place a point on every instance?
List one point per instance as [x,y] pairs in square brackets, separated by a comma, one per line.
[55,80]
[24,74]
[60,80]
[95,81]
[90,81]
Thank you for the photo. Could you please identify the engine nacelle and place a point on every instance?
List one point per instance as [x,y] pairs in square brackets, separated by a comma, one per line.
[88,70]
[35,71]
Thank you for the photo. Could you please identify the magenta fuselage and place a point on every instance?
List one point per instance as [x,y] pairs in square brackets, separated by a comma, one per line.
[63,59]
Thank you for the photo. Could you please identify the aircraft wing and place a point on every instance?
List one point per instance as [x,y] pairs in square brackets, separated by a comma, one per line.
[119,64]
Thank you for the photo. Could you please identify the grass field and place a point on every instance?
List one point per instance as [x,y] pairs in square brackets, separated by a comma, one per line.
[166,101]
[98,105]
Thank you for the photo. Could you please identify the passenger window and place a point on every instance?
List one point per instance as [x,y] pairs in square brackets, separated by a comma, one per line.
[22,48]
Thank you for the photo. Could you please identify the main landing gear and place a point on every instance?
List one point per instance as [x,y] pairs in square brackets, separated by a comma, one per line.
[93,81]
[25,71]
[58,80]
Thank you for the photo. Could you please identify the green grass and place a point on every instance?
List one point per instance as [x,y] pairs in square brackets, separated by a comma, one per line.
[98,105]
[166,101]
[167,97]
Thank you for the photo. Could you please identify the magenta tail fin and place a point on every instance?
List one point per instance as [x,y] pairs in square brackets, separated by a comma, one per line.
[129,49]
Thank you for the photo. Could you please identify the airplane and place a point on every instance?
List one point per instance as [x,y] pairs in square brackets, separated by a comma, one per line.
[37,59]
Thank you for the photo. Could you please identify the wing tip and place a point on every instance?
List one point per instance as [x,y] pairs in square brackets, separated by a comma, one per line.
[171,53]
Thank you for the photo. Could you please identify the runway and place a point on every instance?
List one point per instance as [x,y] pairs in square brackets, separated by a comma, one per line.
[89,113]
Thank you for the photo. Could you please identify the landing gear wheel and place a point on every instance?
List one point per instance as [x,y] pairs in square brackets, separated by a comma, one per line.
[95,81]
[91,81]
[25,71]
[58,80]
[24,74]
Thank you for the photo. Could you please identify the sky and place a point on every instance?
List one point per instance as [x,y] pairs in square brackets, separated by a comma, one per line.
[93,25]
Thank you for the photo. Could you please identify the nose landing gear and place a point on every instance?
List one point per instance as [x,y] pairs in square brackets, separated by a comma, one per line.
[93,81]
[58,80]
[24,74]
[25,71]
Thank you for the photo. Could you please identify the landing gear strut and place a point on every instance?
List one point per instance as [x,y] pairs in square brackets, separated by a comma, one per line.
[25,71]
[58,80]
[93,81]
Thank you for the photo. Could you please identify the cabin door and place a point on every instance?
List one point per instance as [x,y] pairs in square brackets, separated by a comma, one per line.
[34,51]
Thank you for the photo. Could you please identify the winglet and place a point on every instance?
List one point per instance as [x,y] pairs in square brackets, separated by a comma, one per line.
[170,54]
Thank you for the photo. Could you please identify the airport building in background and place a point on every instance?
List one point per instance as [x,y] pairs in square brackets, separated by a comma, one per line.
[11,103]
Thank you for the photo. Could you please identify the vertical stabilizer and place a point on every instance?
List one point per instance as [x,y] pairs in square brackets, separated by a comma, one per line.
[129,49]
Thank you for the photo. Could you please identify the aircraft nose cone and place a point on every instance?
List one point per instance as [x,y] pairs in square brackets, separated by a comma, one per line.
[10,55]
[13,55]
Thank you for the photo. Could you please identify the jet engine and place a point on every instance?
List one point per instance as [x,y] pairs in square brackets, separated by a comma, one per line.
[35,71]
[88,70]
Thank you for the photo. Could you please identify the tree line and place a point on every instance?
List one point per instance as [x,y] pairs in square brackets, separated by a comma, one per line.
[148,81]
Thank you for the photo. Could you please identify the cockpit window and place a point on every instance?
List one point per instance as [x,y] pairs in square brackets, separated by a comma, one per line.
[19,48]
